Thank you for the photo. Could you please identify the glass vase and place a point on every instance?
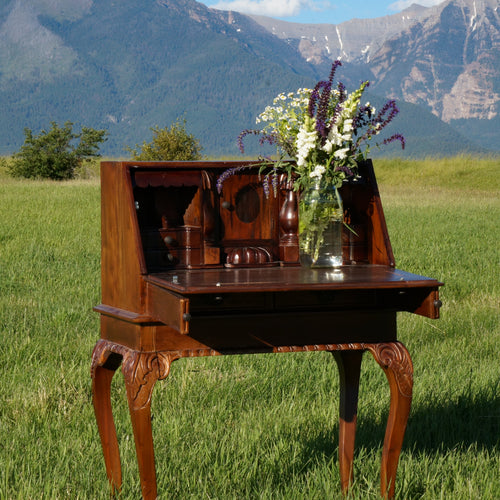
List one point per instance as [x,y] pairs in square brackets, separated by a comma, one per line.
[321,219]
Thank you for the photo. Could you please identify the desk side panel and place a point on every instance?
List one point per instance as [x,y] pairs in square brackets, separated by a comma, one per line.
[121,251]
[381,248]
[368,240]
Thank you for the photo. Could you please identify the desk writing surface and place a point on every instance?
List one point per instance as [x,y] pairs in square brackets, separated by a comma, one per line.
[276,279]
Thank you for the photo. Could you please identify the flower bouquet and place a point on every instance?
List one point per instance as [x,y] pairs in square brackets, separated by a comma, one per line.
[321,135]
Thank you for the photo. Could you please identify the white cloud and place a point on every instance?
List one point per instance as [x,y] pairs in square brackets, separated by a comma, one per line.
[274,8]
[404,4]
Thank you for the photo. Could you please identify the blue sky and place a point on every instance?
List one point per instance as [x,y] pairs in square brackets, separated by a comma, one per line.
[317,11]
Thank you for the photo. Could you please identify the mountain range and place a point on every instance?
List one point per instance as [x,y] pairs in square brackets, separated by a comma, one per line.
[445,58]
[127,66]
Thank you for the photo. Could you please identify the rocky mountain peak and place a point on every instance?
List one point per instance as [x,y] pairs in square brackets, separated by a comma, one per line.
[447,60]
[352,41]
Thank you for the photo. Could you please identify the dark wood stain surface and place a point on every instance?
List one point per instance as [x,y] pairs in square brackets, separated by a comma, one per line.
[189,271]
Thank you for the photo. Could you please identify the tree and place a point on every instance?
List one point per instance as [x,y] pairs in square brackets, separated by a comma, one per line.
[168,144]
[53,154]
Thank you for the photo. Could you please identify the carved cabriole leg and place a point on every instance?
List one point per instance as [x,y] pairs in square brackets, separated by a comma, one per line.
[396,362]
[102,370]
[349,365]
[141,370]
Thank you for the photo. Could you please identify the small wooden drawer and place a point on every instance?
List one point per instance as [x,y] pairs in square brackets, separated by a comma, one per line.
[326,299]
[185,236]
[182,237]
[160,259]
[169,308]
[231,302]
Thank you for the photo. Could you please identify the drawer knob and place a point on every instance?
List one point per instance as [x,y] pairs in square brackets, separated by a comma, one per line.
[437,304]
[186,317]
[168,240]
[218,299]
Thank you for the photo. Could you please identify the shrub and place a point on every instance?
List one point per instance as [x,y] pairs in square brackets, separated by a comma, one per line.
[168,144]
[53,154]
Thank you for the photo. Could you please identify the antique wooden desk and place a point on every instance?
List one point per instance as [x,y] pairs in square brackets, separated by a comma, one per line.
[188,271]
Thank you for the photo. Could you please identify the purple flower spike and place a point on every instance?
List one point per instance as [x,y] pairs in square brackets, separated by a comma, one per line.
[275,180]
[226,174]
[322,111]
[342,98]
[269,138]
[389,107]
[315,97]
[319,100]
[242,135]
[342,168]
[335,65]
[265,185]
[396,137]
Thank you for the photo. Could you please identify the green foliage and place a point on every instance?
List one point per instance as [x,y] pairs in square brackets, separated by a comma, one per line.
[458,172]
[53,154]
[4,166]
[169,144]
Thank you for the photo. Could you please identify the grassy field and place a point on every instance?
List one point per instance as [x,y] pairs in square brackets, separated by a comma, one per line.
[252,427]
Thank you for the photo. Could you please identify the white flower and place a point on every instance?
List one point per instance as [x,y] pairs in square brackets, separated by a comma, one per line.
[279,97]
[372,108]
[341,154]
[348,125]
[347,137]
[334,136]
[318,172]
[328,146]
[306,141]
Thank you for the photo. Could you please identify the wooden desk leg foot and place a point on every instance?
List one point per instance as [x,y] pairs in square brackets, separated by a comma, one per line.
[349,365]
[141,370]
[104,365]
[396,362]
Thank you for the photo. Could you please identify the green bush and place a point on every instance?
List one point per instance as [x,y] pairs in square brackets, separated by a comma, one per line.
[168,144]
[56,153]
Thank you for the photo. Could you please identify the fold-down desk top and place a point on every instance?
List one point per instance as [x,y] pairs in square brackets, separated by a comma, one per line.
[276,279]
[178,296]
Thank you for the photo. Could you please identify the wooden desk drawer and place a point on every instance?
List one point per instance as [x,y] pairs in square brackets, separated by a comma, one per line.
[181,237]
[326,299]
[168,258]
[231,302]
[169,308]
[184,237]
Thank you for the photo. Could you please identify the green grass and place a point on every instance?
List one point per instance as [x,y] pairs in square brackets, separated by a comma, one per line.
[261,426]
